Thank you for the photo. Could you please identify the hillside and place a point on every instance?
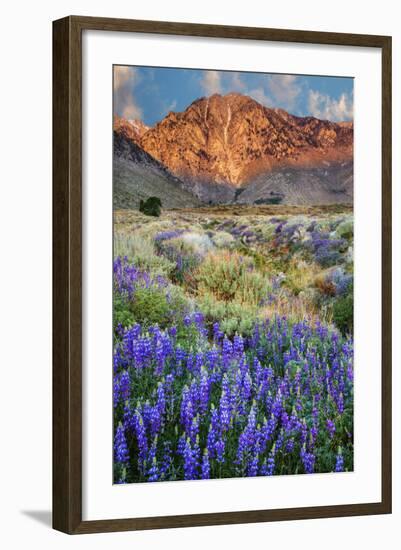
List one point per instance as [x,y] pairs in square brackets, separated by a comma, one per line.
[136,176]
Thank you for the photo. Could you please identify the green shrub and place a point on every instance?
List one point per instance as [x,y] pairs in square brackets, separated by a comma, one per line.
[270,200]
[179,304]
[343,313]
[158,306]
[222,239]
[184,255]
[150,307]
[151,207]
[232,316]
[232,277]
[345,230]
[140,249]
[122,313]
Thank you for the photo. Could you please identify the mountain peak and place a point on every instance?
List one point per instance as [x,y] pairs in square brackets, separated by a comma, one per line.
[131,129]
[230,139]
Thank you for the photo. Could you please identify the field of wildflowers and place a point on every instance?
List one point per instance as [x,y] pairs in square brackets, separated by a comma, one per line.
[233,351]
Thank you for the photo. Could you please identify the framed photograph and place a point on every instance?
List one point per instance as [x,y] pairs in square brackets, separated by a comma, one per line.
[222,275]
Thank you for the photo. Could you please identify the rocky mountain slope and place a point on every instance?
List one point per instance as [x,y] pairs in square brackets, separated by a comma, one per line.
[137,175]
[330,183]
[130,129]
[231,148]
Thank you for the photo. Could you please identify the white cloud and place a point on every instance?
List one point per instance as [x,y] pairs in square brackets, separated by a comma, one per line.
[125,80]
[237,84]
[285,89]
[260,95]
[325,107]
[211,82]
[171,106]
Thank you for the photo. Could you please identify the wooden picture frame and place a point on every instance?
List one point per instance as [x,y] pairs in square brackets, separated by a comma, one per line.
[67,274]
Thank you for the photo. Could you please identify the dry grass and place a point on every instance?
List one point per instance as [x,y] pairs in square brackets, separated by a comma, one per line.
[296,308]
[267,210]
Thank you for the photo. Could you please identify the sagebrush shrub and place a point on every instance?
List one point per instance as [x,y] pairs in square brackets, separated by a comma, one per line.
[231,277]
[141,251]
[232,316]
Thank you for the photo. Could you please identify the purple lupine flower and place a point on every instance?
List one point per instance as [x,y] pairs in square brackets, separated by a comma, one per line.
[331,427]
[141,438]
[217,333]
[277,407]
[314,431]
[339,467]
[258,371]
[194,429]
[173,332]
[227,352]
[199,319]
[124,386]
[153,470]
[340,403]
[198,363]
[205,470]
[168,235]
[121,454]
[253,466]
[225,409]
[247,438]
[238,345]
[289,446]
[204,391]
[308,460]
[220,447]
[166,460]
[116,390]
[154,419]
[128,419]
[247,387]
[279,441]
[187,410]
[161,399]
[213,432]
[271,462]
[190,464]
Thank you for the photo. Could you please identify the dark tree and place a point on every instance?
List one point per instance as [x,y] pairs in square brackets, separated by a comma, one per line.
[151,207]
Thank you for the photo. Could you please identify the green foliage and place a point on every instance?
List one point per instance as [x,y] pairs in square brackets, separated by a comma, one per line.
[232,277]
[232,316]
[299,276]
[151,207]
[222,239]
[122,313]
[179,304]
[343,313]
[345,230]
[270,200]
[140,249]
[158,306]
[150,307]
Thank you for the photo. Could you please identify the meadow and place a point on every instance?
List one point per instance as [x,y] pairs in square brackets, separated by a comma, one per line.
[233,351]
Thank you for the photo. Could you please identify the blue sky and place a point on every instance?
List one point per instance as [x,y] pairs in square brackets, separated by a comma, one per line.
[149,93]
